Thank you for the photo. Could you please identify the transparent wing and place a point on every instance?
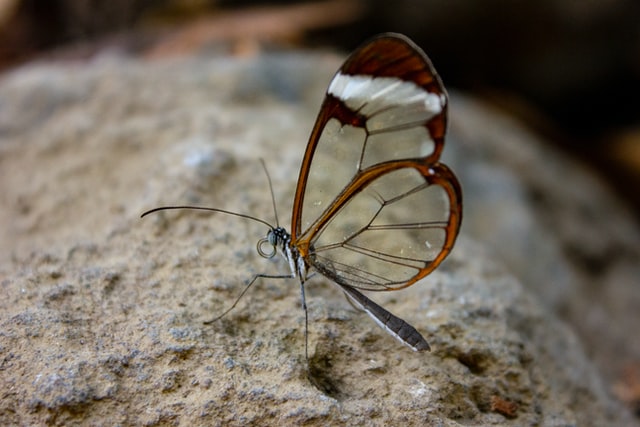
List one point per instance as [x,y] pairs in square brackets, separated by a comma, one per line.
[391,232]
[373,208]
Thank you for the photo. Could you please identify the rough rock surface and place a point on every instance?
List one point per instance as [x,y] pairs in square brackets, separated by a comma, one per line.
[102,313]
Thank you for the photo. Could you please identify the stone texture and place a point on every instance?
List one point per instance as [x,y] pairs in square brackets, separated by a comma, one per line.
[102,313]
[558,227]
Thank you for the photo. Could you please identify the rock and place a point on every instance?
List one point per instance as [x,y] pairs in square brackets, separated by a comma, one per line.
[102,312]
[558,227]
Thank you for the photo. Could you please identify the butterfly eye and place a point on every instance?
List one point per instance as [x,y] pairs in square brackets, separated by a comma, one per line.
[268,242]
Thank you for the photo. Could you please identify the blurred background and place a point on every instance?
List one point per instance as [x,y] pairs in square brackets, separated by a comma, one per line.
[570,70]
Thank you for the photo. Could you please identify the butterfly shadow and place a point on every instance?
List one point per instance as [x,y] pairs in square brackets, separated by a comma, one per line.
[319,371]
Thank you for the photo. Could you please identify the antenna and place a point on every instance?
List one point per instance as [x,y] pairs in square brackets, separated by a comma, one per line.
[202,208]
[273,198]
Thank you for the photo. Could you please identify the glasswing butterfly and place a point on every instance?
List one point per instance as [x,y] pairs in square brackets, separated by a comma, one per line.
[374,209]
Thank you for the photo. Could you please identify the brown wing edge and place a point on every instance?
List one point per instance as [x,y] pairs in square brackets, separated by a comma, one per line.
[395,55]
[443,176]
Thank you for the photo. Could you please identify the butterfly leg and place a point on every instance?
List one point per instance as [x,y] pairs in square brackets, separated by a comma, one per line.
[352,302]
[256,277]
[398,328]
[306,321]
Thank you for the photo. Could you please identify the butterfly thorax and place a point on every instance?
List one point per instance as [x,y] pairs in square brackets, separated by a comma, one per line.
[280,239]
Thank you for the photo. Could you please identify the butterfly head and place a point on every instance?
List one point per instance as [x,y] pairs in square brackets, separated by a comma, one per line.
[276,237]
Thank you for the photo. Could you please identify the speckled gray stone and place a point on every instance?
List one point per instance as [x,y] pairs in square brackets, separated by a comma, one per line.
[102,313]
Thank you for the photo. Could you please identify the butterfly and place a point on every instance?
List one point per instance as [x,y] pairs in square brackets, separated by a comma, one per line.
[374,209]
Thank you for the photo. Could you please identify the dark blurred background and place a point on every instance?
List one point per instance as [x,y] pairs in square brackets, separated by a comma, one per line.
[570,70]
